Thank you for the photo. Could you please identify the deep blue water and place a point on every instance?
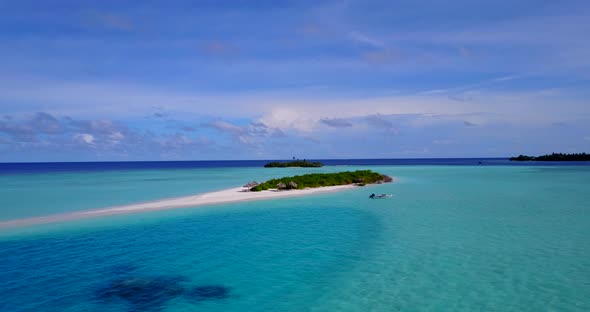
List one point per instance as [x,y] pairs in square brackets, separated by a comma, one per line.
[42,167]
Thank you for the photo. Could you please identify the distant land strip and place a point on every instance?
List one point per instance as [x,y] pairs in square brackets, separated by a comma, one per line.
[295,163]
[554,157]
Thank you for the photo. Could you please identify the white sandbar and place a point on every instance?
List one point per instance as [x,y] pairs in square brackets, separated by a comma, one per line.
[225,196]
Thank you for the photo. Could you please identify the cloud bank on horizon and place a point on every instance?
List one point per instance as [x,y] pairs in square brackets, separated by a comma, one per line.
[175,80]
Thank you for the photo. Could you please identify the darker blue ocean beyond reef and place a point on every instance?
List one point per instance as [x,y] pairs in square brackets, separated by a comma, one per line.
[457,235]
[131,165]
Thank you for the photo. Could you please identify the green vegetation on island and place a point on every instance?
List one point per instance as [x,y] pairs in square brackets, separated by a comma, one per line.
[313,180]
[295,163]
[554,157]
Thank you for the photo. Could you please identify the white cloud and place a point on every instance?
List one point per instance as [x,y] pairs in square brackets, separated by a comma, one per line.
[287,118]
[226,127]
[85,138]
[364,38]
[444,142]
[336,122]
[116,136]
[288,109]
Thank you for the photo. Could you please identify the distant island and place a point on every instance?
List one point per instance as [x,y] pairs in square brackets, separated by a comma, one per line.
[314,180]
[554,157]
[295,163]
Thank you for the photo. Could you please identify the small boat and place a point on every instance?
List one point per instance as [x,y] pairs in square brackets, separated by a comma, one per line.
[380,196]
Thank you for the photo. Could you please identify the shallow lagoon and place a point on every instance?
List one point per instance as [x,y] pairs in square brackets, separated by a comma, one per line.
[451,239]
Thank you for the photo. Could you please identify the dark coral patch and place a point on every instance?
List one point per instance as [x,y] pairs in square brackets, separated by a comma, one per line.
[210,292]
[142,294]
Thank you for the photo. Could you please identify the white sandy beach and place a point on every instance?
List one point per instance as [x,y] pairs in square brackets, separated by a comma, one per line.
[219,197]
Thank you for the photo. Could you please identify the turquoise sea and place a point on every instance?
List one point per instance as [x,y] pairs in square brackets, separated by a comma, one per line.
[452,238]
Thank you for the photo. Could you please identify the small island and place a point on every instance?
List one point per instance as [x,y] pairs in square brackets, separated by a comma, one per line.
[554,157]
[295,163]
[302,185]
[314,180]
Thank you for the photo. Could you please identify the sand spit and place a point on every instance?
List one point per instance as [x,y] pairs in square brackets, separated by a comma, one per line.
[219,197]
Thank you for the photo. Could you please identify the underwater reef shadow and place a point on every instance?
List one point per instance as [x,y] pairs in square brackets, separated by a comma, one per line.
[152,293]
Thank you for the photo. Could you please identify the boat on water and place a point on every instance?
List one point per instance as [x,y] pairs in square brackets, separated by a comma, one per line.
[380,196]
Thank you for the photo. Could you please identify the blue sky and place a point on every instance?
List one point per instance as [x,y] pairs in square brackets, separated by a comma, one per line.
[176,80]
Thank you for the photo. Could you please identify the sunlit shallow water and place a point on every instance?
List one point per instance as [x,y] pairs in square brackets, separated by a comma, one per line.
[451,239]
